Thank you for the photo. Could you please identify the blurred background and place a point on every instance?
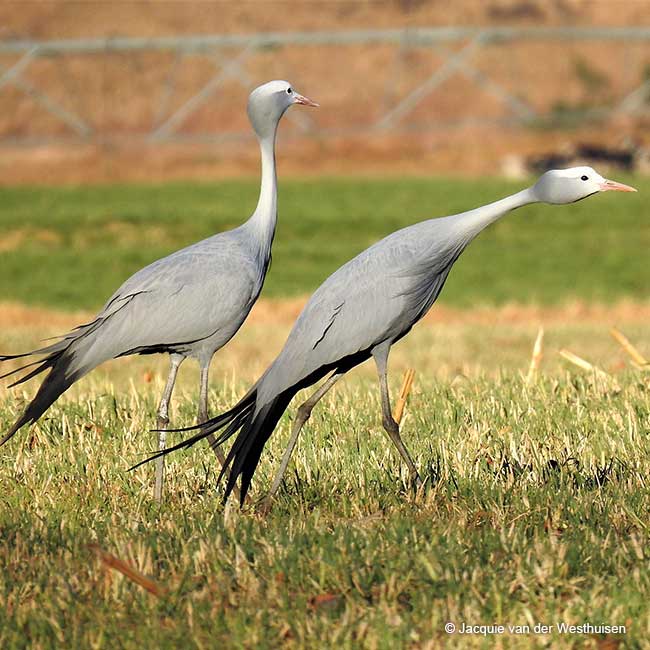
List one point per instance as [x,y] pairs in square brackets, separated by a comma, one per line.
[123,137]
[147,90]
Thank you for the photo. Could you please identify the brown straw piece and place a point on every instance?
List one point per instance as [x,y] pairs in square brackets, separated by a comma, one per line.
[114,562]
[536,359]
[582,363]
[398,411]
[624,342]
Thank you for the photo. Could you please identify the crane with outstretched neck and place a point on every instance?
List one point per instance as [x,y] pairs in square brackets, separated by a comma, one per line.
[359,312]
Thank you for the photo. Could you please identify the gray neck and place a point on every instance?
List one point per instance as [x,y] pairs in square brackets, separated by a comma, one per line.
[263,220]
[472,222]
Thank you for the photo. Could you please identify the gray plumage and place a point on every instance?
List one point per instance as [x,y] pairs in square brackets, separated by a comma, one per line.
[188,304]
[360,311]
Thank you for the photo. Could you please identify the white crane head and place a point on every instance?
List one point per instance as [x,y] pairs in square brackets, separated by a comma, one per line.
[560,186]
[268,102]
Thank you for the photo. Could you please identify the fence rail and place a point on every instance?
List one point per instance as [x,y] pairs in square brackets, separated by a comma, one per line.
[458,47]
[417,36]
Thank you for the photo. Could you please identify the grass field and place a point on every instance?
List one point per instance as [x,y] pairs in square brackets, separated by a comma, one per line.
[537,502]
[536,509]
[71,247]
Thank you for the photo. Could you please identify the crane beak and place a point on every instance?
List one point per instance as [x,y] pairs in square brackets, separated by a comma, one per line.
[305,101]
[615,187]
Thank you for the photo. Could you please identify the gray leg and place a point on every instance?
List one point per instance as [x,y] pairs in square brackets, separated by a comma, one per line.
[302,415]
[380,355]
[203,416]
[203,395]
[163,421]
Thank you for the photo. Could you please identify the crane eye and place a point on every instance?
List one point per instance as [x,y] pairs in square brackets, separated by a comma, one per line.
[584,178]
[289,91]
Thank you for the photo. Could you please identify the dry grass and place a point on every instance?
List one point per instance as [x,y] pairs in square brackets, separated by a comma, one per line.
[75,19]
[284,311]
[448,341]
[536,508]
[122,93]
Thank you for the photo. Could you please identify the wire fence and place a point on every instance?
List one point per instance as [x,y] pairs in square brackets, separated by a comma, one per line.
[171,89]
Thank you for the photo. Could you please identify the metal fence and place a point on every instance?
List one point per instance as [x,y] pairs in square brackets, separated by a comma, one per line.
[457,52]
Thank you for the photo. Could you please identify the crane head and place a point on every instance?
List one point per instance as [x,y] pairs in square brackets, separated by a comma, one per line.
[560,186]
[268,102]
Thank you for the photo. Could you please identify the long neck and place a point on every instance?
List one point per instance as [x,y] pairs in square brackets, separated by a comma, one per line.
[263,220]
[473,221]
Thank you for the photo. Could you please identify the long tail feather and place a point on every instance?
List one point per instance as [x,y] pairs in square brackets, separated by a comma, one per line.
[45,364]
[57,382]
[61,345]
[254,431]
[255,424]
[240,410]
[15,370]
[61,359]
[66,361]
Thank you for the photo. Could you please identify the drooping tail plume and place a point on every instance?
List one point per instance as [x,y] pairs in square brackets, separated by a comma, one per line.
[254,431]
[57,382]
[64,361]
[234,416]
[255,424]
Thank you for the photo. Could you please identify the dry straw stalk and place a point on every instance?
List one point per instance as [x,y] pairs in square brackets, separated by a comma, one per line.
[398,411]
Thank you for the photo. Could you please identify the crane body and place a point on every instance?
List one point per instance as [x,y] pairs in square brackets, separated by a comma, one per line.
[360,311]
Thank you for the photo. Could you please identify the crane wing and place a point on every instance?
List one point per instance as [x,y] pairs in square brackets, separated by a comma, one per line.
[377,296]
[179,301]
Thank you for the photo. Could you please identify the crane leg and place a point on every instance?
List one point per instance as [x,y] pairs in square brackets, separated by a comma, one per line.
[302,415]
[162,422]
[380,355]
[203,416]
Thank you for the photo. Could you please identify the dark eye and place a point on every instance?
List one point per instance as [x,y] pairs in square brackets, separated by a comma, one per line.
[289,91]
[584,178]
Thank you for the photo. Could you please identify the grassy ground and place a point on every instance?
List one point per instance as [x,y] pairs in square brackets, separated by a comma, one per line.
[536,505]
[536,509]
[71,247]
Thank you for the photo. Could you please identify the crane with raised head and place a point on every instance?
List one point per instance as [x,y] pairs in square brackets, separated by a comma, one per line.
[188,304]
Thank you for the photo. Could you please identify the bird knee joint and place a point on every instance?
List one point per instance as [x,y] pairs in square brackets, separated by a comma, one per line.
[391,426]
[304,411]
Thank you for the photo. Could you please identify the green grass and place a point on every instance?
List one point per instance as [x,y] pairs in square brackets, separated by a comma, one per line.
[537,504]
[537,508]
[71,247]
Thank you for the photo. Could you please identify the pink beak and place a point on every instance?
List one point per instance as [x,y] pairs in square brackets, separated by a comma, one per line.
[305,101]
[615,187]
